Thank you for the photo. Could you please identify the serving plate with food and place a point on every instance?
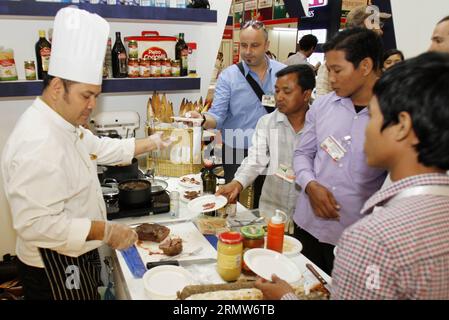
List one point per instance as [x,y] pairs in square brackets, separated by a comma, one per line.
[207,203]
[190,181]
[158,242]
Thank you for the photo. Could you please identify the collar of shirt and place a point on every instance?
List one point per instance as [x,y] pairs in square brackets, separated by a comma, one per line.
[383,196]
[282,118]
[54,117]
[347,103]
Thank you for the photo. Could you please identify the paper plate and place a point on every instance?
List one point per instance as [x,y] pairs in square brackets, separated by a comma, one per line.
[162,282]
[196,205]
[265,263]
[292,246]
[189,184]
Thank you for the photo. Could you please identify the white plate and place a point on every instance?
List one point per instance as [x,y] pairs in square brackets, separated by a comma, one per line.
[196,205]
[197,177]
[292,246]
[162,282]
[265,263]
[335,251]
[191,240]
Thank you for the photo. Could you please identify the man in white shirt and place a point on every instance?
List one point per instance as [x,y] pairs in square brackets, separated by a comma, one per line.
[307,46]
[49,165]
[273,143]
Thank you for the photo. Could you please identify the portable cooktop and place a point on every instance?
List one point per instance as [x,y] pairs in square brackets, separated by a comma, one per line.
[160,204]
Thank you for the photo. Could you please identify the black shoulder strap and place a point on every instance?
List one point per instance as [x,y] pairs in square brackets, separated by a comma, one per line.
[254,85]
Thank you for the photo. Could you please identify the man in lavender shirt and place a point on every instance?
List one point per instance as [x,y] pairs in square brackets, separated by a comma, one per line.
[336,183]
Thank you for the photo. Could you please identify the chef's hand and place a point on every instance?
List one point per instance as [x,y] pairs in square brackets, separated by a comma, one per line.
[157,143]
[230,190]
[119,236]
[275,289]
[322,201]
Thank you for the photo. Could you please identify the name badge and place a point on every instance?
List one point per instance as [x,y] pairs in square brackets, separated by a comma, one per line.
[333,148]
[286,173]
[268,101]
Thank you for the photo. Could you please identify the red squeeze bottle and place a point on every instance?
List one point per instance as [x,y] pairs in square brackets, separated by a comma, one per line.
[275,233]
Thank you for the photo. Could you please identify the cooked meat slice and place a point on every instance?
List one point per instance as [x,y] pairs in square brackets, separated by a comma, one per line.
[152,232]
[208,206]
[171,247]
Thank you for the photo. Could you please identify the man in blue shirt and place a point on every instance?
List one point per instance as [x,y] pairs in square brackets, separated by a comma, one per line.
[236,107]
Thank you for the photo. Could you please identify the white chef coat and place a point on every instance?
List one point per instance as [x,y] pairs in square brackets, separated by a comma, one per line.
[273,144]
[50,179]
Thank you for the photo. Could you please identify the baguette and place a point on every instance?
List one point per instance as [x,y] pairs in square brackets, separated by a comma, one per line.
[204,288]
[243,290]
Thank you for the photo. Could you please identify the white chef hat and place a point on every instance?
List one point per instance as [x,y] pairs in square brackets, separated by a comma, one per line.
[78,46]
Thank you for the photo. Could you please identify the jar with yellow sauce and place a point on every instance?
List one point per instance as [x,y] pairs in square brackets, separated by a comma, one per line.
[229,257]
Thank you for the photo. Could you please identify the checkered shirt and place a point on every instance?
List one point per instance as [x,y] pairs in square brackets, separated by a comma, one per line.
[399,251]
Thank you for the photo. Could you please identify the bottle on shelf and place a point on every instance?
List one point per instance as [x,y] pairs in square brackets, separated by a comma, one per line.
[43,52]
[182,54]
[107,64]
[119,58]
[275,231]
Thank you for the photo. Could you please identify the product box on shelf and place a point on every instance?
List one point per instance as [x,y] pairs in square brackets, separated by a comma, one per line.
[154,46]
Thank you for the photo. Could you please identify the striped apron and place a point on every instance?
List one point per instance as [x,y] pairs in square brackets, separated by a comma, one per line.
[73,278]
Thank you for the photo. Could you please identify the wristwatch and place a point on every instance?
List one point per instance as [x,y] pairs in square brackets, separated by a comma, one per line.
[204,119]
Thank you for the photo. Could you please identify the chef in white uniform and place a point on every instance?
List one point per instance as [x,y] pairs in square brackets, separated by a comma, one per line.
[49,165]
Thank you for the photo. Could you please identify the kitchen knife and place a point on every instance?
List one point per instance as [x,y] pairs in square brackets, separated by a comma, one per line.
[177,262]
[162,263]
[318,276]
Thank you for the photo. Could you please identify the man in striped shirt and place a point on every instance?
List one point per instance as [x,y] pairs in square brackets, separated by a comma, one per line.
[400,251]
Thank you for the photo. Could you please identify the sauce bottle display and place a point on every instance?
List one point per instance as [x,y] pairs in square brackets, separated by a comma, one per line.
[119,58]
[182,54]
[43,52]
[275,231]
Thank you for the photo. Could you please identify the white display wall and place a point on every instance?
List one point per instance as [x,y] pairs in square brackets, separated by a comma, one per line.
[23,34]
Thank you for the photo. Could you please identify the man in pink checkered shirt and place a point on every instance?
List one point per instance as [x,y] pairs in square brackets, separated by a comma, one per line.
[401,249]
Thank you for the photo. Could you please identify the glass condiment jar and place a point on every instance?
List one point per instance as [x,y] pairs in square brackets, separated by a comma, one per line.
[133,68]
[253,237]
[229,255]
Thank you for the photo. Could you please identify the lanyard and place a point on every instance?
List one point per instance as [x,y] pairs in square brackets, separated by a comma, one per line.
[421,190]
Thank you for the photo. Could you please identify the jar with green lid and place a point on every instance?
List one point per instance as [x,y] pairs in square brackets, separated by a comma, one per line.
[133,50]
[229,255]
[30,70]
[253,237]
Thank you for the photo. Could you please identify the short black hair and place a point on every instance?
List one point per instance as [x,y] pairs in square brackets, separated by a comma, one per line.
[358,44]
[392,52]
[48,78]
[304,74]
[307,42]
[444,20]
[420,86]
